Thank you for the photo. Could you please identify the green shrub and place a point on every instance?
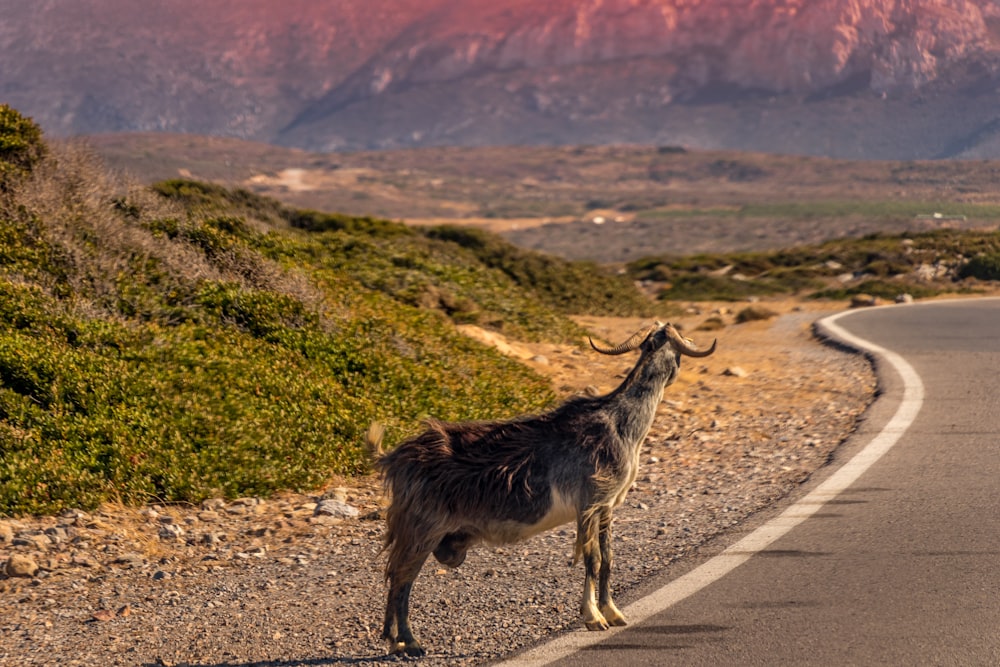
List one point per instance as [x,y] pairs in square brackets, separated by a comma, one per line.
[890,261]
[883,289]
[713,323]
[92,410]
[21,146]
[754,313]
[982,267]
[568,287]
[315,221]
[700,287]
[189,353]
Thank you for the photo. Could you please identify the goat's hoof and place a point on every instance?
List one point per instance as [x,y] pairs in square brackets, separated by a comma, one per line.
[593,618]
[613,615]
[412,649]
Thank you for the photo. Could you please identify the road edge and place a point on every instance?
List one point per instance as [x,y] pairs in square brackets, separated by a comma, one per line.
[878,444]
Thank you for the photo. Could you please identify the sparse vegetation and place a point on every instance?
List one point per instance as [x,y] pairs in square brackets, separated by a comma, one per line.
[982,267]
[713,323]
[921,264]
[189,340]
[754,313]
[568,287]
[21,146]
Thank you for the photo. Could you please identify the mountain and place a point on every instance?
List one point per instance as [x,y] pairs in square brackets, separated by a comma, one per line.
[843,78]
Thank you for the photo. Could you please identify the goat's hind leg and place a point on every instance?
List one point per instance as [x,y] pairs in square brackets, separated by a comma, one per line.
[396,627]
[607,606]
[587,545]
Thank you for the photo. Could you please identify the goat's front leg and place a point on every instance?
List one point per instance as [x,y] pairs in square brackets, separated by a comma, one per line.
[607,606]
[587,531]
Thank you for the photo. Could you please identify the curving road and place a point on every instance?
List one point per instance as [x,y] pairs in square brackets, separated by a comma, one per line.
[889,557]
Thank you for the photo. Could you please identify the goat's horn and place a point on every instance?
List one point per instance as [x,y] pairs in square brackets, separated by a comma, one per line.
[686,345]
[634,341]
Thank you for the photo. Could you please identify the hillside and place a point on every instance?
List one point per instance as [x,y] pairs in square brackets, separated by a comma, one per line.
[866,79]
[188,341]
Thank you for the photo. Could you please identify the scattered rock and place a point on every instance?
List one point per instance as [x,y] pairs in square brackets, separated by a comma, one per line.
[735,371]
[36,541]
[6,533]
[170,531]
[213,504]
[20,566]
[227,570]
[82,560]
[863,301]
[57,534]
[325,520]
[130,560]
[336,508]
[212,539]
[904,298]
[102,615]
[336,493]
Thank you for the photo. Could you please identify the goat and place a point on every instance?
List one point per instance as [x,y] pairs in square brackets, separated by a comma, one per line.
[458,484]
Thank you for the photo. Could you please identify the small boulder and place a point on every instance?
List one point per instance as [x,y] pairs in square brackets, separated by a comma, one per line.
[20,566]
[336,508]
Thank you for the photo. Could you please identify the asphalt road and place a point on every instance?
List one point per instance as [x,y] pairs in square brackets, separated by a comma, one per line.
[901,567]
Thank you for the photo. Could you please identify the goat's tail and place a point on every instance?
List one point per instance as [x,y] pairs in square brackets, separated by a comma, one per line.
[373,441]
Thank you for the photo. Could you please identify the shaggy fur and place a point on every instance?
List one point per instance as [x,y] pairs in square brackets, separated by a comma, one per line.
[458,484]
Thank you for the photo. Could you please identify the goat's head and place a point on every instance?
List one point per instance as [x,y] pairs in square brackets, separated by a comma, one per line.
[653,338]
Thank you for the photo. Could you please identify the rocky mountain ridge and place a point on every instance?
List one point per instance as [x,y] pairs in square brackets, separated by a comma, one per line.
[810,76]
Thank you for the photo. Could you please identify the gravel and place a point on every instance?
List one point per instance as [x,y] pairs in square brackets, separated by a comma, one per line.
[297,579]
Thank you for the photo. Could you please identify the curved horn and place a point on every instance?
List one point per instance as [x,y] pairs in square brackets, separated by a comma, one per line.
[634,341]
[686,345]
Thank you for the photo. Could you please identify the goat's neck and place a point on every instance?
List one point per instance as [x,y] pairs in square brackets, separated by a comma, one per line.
[635,401]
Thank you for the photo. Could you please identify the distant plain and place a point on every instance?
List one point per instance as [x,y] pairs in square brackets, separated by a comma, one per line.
[651,200]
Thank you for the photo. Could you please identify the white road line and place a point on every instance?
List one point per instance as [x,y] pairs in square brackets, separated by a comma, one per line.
[737,554]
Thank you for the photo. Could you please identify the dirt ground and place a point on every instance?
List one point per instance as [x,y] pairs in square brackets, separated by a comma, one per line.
[291,580]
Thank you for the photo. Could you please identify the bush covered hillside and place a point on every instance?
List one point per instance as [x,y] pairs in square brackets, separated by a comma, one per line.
[185,341]
[921,264]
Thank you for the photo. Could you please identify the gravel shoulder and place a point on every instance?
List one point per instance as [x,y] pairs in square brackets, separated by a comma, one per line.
[297,579]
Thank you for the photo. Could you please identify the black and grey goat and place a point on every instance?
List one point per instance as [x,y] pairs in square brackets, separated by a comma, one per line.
[457,484]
